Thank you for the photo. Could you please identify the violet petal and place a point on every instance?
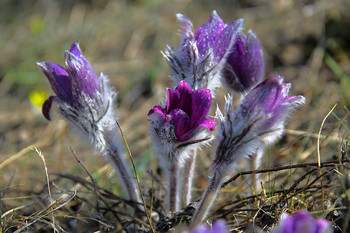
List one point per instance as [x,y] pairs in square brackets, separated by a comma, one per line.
[208,123]
[219,226]
[182,123]
[207,33]
[158,110]
[201,103]
[245,63]
[58,78]
[84,79]
[47,107]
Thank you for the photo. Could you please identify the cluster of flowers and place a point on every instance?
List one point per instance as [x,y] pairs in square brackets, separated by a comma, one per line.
[214,54]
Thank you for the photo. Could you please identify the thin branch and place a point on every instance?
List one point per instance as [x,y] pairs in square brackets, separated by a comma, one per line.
[323,164]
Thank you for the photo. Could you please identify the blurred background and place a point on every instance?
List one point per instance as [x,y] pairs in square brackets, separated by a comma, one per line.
[306,41]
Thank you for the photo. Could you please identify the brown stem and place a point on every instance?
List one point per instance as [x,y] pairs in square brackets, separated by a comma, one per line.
[207,200]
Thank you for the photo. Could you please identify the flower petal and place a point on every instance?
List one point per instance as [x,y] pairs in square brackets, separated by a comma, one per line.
[186,25]
[180,98]
[182,123]
[225,40]
[201,103]
[219,226]
[208,123]
[84,79]
[158,110]
[207,33]
[245,63]
[47,107]
[185,50]
[58,78]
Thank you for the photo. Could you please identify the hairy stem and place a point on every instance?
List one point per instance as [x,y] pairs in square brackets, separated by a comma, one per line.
[127,180]
[113,152]
[208,199]
[187,177]
[173,194]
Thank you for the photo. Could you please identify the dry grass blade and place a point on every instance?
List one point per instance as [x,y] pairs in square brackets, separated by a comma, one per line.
[319,154]
[137,178]
[47,181]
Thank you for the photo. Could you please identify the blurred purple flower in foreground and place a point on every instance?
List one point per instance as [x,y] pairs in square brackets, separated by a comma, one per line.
[202,54]
[219,226]
[86,102]
[178,127]
[258,120]
[302,222]
[245,64]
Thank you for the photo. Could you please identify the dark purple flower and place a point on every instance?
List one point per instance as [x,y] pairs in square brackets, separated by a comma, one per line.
[219,226]
[202,53]
[245,64]
[258,120]
[302,222]
[72,84]
[185,112]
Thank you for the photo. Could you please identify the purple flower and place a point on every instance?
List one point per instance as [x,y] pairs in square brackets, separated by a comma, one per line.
[82,98]
[219,226]
[71,84]
[178,127]
[258,120]
[245,64]
[202,53]
[86,102]
[302,222]
[183,116]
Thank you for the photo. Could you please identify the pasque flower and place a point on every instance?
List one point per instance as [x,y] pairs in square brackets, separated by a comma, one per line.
[199,61]
[202,53]
[178,126]
[245,63]
[86,102]
[302,222]
[258,120]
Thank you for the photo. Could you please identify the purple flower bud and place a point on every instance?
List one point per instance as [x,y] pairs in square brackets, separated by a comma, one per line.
[219,226]
[245,64]
[202,53]
[71,85]
[259,119]
[302,222]
[81,97]
[183,117]
[84,79]
[86,102]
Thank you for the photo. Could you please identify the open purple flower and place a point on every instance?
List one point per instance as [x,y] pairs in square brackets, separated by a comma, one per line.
[202,53]
[302,222]
[184,114]
[258,120]
[245,64]
[219,226]
[178,127]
